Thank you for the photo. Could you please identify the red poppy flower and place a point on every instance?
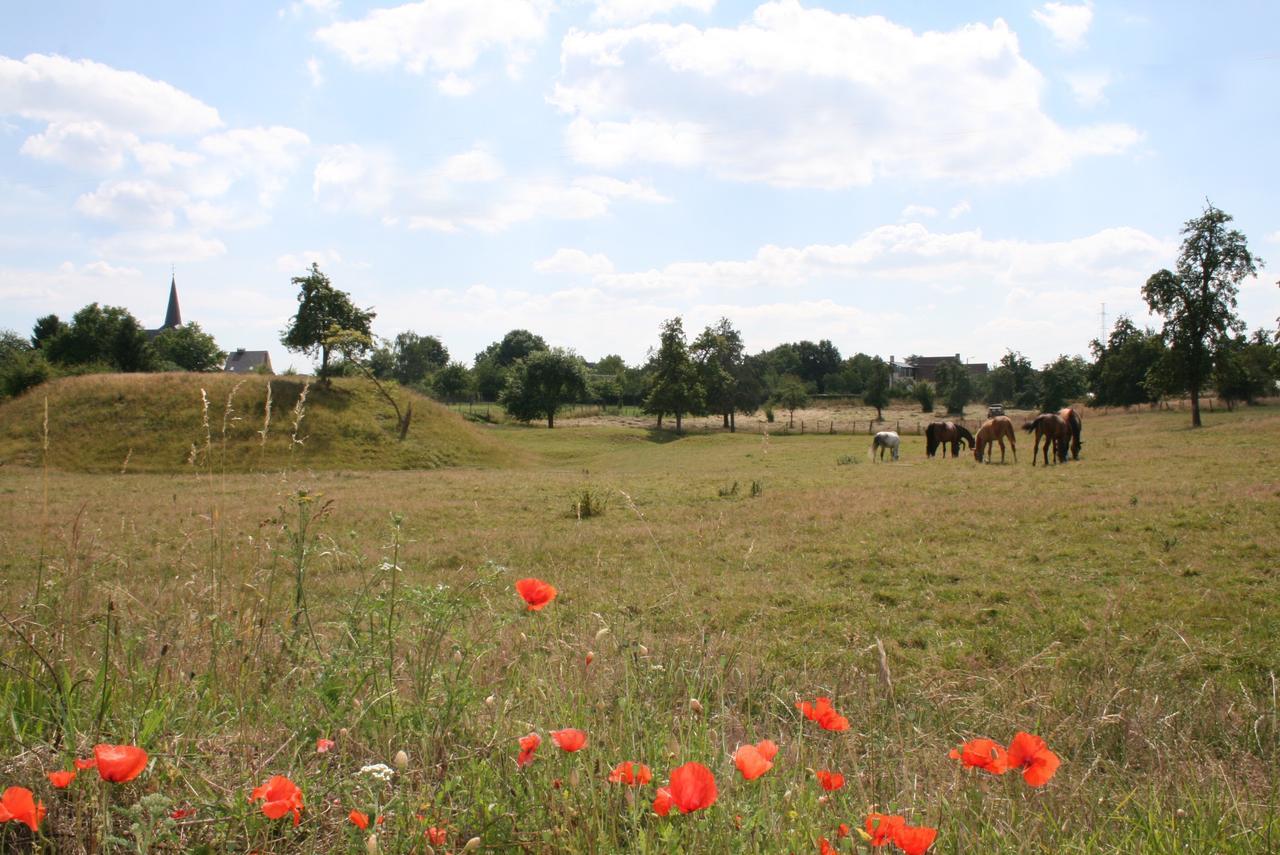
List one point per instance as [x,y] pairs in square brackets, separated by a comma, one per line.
[324,746]
[750,762]
[182,813]
[360,819]
[18,804]
[631,773]
[437,836]
[882,828]
[1030,754]
[693,787]
[662,801]
[843,830]
[825,847]
[536,593]
[570,739]
[915,840]
[830,781]
[822,712]
[768,749]
[61,780]
[281,796]
[528,745]
[119,763]
[85,764]
[983,754]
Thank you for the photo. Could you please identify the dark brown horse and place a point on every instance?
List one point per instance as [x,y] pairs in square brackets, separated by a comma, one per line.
[992,431]
[1055,431]
[1072,417]
[942,433]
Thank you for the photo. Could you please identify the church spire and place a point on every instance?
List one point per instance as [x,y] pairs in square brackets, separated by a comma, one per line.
[172,315]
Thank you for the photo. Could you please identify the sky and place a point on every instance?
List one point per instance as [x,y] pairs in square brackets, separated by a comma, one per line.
[899,178]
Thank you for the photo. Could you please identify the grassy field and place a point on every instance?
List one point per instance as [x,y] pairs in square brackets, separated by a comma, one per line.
[1123,607]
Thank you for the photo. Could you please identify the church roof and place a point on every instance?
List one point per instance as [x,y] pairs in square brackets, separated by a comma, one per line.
[172,315]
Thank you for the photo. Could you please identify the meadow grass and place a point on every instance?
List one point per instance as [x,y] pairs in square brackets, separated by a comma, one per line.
[1123,607]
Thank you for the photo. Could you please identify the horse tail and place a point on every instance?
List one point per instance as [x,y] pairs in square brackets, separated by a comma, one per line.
[871,452]
[1031,425]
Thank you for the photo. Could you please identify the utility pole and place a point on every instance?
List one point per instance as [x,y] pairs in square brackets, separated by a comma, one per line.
[1102,325]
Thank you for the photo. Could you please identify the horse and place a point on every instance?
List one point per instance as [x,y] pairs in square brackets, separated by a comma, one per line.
[1073,419]
[1055,431]
[995,430]
[941,433]
[884,439]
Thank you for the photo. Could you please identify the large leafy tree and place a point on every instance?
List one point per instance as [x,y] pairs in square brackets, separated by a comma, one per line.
[491,364]
[1198,299]
[108,336]
[1014,381]
[539,384]
[955,385]
[676,388]
[876,392]
[1064,380]
[187,347]
[1118,375]
[719,353]
[323,312]
[452,382]
[817,361]
[46,328]
[1244,368]
[416,357]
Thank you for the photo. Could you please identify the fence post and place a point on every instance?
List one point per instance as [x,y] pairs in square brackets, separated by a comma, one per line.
[802,425]
[833,427]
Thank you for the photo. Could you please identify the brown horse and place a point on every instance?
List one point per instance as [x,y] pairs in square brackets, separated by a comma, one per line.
[942,433]
[1056,432]
[1073,419]
[992,431]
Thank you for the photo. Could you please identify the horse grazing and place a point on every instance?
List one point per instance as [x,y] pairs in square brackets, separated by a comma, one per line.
[992,431]
[885,439]
[1056,432]
[1073,419]
[942,433]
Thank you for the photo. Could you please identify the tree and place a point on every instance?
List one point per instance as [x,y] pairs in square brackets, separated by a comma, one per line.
[491,364]
[323,312]
[876,393]
[188,348]
[1014,381]
[1065,380]
[1243,368]
[816,362]
[924,391]
[1198,300]
[539,384]
[1120,367]
[45,328]
[954,385]
[415,357]
[351,345]
[792,395]
[719,353]
[675,389]
[21,365]
[100,335]
[452,382]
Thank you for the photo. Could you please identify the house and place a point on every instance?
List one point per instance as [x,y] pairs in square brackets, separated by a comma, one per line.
[926,368]
[241,361]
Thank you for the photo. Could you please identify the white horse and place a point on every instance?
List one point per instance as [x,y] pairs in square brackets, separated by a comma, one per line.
[885,439]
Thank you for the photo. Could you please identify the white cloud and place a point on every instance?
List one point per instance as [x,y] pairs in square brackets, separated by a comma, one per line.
[476,165]
[913,212]
[132,203]
[354,178]
[454,86]
[574,261]
[1067,23]
[959,209]
[87,146]
[1274,237]
[1088,87]
[265,155]
[801,97]
[58,89]
[296,262]
[611,12]
[160,246]
[68,285]
[440,35]
[315,72]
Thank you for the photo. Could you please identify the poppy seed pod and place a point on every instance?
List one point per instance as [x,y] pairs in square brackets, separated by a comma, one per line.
[472,845]
[489,701]
[457,657]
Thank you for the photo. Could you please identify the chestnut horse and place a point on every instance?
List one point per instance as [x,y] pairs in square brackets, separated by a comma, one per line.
[995,430]
[942,433]
[1056,432]
[1072,417]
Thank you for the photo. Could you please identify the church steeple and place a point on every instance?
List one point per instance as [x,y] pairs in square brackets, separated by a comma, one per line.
[172,315]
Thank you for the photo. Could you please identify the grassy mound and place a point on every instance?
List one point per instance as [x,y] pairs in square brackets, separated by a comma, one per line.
[161,423]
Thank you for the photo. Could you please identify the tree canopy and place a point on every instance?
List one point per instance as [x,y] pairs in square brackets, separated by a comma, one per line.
[187,348]
[323,311]
[539,384]
[676,388]
[1198,299]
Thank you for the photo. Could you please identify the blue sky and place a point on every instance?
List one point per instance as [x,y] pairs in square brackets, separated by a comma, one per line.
[900,178]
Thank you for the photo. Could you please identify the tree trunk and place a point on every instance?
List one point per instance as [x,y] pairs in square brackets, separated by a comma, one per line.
[551,420]
[659,421]
[324,364]
[1195,406]
[733,422]
[726,419]
[679,420]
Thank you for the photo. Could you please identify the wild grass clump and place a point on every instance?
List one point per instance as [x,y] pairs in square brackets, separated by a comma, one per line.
[589,503]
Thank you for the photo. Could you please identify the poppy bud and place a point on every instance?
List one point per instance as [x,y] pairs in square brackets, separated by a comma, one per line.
[457,657]
[1180,812]
[573,778]
[695,705]
[602,632]
[590,657]
[489,701]
[644,651]
[630,795]
[343,732]
[822,800]
[401,760]
[371,845]
[472,845]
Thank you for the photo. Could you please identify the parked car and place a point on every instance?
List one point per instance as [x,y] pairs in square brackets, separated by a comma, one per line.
[995,410]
